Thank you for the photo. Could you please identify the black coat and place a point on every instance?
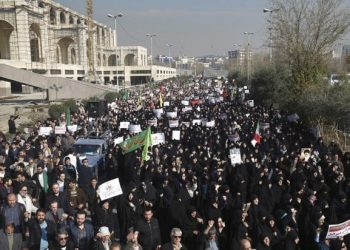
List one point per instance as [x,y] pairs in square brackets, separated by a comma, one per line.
[35,233]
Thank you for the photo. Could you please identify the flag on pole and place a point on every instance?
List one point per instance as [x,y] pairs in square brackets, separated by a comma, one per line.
[148,142]
[68,117]
[161,99]
[134,142]
[257,136]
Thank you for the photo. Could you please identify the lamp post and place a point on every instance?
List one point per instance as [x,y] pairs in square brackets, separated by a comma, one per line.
[119,15]
[248,34]
[270,30]
[169,48]
[151,38]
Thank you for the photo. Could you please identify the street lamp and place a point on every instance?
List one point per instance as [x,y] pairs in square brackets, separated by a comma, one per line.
[248,34]
[169,48]
[119,15]
[151,37]
[270,30]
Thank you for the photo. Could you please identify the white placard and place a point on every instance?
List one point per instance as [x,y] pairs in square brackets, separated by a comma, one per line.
[109,189]
[235,156]
[171,114]
[158,138]
[152,122]
[185,109]
[187,124]
[210,124]
[166,104]
[60,130]
[158,112]
[196,122]
[251,103]
[204,121]
[185,103]
[173,123]
[135,128]
[175,135]
[118,140]
[245,87]
[45,130]
[338,230]
[246,91]
[124,125]
[72,128]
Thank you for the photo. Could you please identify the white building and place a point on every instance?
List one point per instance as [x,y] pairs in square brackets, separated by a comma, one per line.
[51,39]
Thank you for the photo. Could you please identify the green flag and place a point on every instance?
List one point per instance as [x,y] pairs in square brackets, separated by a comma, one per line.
[68,117]
[148,142]
[134,142]
[125,95]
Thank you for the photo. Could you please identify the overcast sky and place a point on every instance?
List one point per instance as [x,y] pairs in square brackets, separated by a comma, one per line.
[195,27]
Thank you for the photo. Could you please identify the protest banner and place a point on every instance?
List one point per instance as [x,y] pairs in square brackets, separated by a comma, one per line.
[45,130]
[173,123]
[134,142]
[60,130]
[338,230]
[235,156]
[118,140]
[175,135]
[152,122]
[109,189]
[124,125]
[158,138]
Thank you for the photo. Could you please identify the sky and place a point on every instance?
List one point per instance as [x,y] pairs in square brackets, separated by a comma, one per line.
[194,27]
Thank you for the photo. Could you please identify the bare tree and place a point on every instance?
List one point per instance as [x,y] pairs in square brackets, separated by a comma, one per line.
[304,33]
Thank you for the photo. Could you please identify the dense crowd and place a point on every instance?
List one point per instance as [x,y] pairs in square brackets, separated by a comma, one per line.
[282,194]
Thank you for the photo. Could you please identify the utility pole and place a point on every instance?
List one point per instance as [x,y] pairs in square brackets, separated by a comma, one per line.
[270,32]
[119,15]
[248,57]
[90,45]
[151,38]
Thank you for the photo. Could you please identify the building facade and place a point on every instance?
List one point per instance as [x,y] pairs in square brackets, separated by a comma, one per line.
[50,39]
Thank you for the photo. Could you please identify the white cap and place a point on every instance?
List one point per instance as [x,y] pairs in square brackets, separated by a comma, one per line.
[104,231]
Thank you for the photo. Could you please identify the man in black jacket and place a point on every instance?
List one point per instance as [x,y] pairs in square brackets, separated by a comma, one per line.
[175,243]
[13,212]
[147,230]
[41,232]
[12,127]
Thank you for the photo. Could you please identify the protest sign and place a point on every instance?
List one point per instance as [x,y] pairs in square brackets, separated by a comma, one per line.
[187,124]
[223,116]
[234,138]
[185,103]
[246,91]
[60,130]
[175,135]
[158,112]
[185,109]
[135,128]
[158,138]
[45,130]
[251,103]
[210,124]
[118,140]
[196,122]
[235,156]
[166,104]
[263,126]
[109,189]
[152,122]
[72,128]
[338,230]
[173,123]
[171,114]
[124,125]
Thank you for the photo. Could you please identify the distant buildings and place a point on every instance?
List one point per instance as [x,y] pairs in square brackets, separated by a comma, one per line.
[51,39]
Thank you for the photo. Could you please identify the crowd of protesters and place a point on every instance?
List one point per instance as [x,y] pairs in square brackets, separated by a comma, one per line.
[188,194]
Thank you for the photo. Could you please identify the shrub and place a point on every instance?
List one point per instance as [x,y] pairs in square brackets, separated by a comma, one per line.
[111,96]
[56,110]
